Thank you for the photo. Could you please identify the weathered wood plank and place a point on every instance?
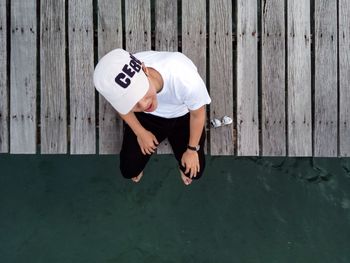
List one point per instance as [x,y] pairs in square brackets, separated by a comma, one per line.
[299,79]
[23,77]
[166,25]
[273,79]
[53,77]
[81,67]
[247,79]
[138,25]
[221,78]
[110,36]
[194,42]
[166,40]
[4,144]
[325,135]
[344,77]
[194,34]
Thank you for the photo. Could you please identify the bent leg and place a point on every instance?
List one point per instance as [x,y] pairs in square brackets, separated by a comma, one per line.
[179,140]
[132,160]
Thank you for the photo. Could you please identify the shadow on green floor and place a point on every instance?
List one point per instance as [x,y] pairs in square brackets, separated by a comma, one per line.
[80,209]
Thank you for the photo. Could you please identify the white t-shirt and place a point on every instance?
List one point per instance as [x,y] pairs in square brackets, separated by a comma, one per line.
[183,88]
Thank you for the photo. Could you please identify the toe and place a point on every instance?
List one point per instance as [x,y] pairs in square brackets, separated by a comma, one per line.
[136,179]
[185,179]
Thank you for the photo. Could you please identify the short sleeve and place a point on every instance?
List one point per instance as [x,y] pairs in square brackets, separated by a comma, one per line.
[195,93]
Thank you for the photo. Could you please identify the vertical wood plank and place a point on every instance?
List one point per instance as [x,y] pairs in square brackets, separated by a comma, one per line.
[166,25]
[194,33]
[221,78]
[4,145]
[110,36]
[23,76]
[194,36]
[53,77]
[325,136]
[299,79]
[138,25]
[273,79]
[81,67]
[166,40]
[247,79]
[344,77]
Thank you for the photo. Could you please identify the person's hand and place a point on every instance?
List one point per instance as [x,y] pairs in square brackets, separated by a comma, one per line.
[190,161]
[147,141]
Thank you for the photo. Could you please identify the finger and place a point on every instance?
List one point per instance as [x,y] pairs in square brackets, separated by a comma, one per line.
[193,172]
[187,169]
[155,141]
[154,147]
[143,151]
[197,170]
[150,151]
[183,163]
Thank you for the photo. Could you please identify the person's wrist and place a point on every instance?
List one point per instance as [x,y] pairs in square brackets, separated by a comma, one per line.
[188,151]
[140,131]
[193,148]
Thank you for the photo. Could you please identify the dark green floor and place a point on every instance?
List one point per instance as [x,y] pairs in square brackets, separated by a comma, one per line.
[80,209]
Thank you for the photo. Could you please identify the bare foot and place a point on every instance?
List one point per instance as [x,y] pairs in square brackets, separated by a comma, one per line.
[185,179]
[136,179]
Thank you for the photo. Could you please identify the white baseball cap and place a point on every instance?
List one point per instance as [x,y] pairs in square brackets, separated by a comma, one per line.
[119,77]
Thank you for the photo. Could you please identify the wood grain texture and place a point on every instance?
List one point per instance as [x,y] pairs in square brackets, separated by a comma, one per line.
[4,112]
[325,134]
[247,79]
[194,38]
[109,37]
[221,78]
[166,25]
[273,79]
[299,79]
[53,108]
[344,77]
[23,77]
[138,25]
[166,40]
[194,33]
[81,67]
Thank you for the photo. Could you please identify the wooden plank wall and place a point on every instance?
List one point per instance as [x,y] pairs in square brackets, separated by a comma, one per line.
[23,77]
[299,79]
[4,147]
[273,78]
[247,78]
[280,69]
[81,68]
[221,74]
[344,73]
[53,109]
[326,82]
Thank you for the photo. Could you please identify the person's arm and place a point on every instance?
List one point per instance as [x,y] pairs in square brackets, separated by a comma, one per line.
[190,158]
[147,141]
[197,122]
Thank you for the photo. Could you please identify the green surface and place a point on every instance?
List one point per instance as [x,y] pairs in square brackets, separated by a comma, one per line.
[80,209]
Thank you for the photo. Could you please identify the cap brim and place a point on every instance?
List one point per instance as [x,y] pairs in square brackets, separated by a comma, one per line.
[135,93]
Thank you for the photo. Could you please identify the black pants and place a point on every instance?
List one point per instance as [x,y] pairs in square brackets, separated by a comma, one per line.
[177,130]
